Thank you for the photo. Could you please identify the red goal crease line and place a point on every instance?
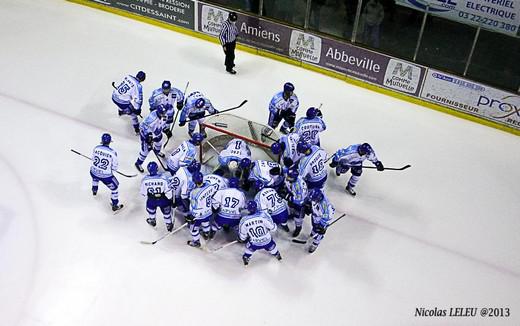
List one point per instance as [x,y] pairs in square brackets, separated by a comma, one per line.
[224,131]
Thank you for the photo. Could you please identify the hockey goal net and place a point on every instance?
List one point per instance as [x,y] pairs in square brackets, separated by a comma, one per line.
[222,128]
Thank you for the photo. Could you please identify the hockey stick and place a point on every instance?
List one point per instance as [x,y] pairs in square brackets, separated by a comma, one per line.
[167,234]
[160,162]
[226,110]
[393,169]
[314,236]
[88,158]
[223,246]
[176,115]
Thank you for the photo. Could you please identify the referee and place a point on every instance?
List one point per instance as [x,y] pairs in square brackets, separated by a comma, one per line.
[228,37]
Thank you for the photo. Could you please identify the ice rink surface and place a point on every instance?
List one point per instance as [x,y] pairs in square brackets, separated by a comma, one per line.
[444,233]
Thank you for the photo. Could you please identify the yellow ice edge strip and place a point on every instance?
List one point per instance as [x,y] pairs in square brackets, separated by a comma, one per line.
[304,65]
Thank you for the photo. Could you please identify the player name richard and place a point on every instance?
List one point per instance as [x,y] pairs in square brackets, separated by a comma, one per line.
[450,312]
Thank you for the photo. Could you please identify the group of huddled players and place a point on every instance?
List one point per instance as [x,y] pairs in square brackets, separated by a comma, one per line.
[278,192]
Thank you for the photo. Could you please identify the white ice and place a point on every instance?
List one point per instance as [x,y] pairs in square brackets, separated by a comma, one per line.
[444,233]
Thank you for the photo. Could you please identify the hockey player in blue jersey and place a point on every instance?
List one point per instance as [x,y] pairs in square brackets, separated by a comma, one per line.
[104,164]
[185,153]
[227,205]
[255,230]
[128,96]
[310,127]
[150,132]
[322,213]
[283,105]
[230,158]
[268,200]
[171,98]
[286,146]
[312,166]
[159,195]
[195,109]
[351,158]
[296,194]
[201,198]
[181,184]
[267,172]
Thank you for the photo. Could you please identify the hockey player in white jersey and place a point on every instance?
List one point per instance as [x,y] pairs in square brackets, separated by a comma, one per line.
[184,154]
[310,127]
[230,158]
[283,105]
[201,198]
[255,230]
[181,184]
[351,158]
[159,195]
[195,109]
[104,164]
[312,166]
[227,204]
[171,98]
[267,172]
[150,132]
[286,146]
[322,213]
[269,201]
[128,96]
[296,194]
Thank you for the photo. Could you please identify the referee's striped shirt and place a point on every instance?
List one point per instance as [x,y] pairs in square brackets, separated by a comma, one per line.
[228,33]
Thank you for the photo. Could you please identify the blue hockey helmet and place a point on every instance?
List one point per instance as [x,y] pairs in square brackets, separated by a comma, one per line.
[259,185]
[233,16]
[311,113]
[141,76]
[245,163]
[288,87]
[276,148]
[364,149]
[200,102]
[106,139]
[292,174]
[303,146]
[252,206]
[194,166]
[161,110]
[275,171]
[153,168]
[233,183]
[316,195]
[166,85]
[197,178]
[196,138]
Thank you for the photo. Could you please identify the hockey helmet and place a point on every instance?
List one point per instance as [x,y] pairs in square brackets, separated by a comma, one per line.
[259,185]
[288,87]
[292,174]
[275,171]
[311,113]
[233,16]
[141,76]
[316,195]
[152,168]
[161,110]
[194,166]
[245,163]
[233,183]
[303,146]
[197,178]
[276,148]
[364,149]
[196,138]
[106,139]
[252,206]
[200,102]
[166,86]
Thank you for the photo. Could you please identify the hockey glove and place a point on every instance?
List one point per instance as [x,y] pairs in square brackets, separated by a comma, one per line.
[334,163]
[136,111]
[241,240]
[379,166]
[190,219]
[319,113]
[174,203]
[149,139]
[307,209]
[287,162]
[182,123]
[179,105]
[168,133]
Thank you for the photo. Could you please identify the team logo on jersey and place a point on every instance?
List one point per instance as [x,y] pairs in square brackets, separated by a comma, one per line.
[305,47]
[402,76]
[212,19]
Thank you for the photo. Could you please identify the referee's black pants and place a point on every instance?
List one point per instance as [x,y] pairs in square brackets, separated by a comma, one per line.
[229,62]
